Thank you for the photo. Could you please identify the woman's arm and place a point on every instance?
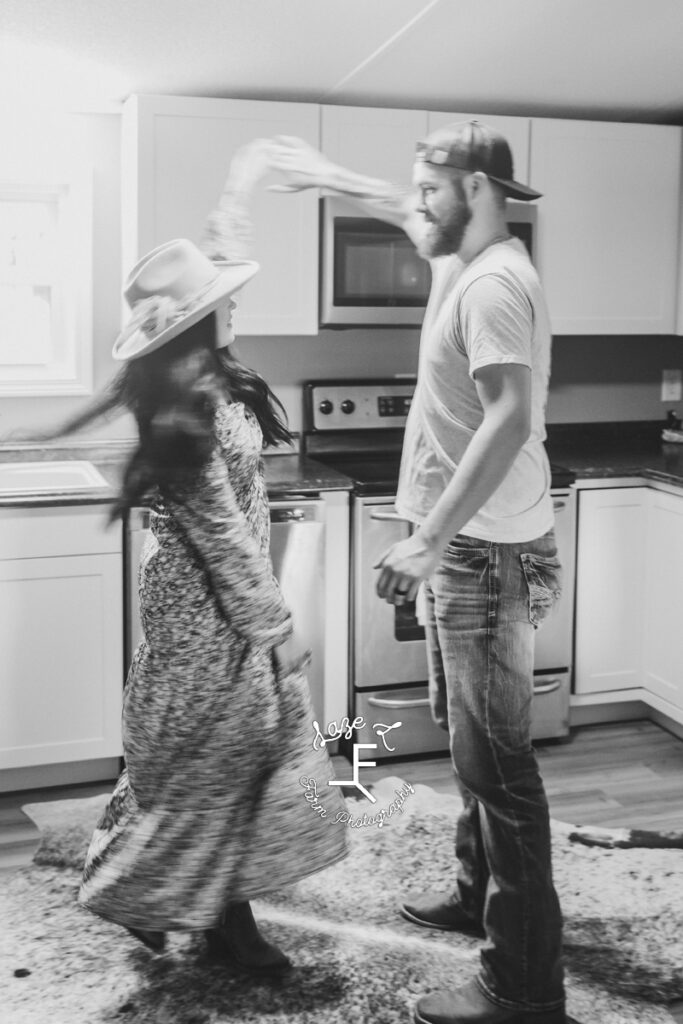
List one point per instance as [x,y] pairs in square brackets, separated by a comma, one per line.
[304,167]
[241,577]
[228,230]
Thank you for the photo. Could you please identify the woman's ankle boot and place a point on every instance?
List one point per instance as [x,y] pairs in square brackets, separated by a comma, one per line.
[237,940]
[156,941]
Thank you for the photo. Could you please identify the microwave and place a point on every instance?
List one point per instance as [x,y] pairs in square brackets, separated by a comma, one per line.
[370,272]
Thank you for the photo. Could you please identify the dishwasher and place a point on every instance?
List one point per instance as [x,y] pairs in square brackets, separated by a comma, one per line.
[297,549]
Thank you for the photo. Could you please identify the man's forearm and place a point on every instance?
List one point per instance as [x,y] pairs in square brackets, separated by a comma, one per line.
[384,199]
[304,167]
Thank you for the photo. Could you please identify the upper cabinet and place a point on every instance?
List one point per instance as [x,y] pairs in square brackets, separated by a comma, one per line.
[679,309]
[176,153]
[607,239]
[607,227]
[515,130]
[373,140]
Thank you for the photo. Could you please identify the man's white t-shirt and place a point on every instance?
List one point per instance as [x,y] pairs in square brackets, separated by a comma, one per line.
[489,311]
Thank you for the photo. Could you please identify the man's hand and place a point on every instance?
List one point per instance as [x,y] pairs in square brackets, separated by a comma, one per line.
[301,165]
[403,568]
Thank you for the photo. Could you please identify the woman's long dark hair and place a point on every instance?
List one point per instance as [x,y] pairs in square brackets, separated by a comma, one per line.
[173,394]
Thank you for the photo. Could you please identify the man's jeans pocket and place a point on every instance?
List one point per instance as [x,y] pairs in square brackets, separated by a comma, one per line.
[543,575]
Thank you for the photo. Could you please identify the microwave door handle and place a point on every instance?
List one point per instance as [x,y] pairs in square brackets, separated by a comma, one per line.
[415,702]
[389,517]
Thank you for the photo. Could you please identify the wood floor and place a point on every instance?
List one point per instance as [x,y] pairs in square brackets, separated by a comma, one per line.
[618,775]
[627,774]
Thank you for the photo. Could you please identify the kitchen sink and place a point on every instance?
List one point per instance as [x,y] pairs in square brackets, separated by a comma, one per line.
[42,477]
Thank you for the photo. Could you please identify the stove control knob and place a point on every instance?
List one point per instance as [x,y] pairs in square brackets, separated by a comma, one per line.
[348,406]
[325,407]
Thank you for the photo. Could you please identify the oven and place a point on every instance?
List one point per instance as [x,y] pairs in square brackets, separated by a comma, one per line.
[357,428]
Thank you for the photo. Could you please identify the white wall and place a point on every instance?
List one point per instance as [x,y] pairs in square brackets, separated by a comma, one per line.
[611,379]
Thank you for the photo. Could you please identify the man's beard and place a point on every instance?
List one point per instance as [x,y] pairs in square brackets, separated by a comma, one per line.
[446,237]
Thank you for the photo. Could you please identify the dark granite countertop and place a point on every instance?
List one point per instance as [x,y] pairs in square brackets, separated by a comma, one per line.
[612,450]
[591,450]
[285,473]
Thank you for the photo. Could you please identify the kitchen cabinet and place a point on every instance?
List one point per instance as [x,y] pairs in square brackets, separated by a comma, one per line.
[375,141]
[607,236]
[515,129]
[610,581]
[607,228]
[61,636]
[176,153]
[663,601]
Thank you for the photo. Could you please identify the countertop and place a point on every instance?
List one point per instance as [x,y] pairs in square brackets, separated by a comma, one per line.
[591,450]
[613,450]
[285,473]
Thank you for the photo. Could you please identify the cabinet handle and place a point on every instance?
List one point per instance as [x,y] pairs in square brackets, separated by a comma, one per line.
[392,517]
[415,702]
[550,687]
[559,504]
[287,515]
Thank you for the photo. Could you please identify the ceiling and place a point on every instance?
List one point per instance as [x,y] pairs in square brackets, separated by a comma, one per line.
[600,59]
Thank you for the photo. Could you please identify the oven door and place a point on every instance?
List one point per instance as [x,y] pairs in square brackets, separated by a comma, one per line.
[388,643]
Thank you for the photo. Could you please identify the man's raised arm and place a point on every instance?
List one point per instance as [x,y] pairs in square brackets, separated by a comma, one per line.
[302,166]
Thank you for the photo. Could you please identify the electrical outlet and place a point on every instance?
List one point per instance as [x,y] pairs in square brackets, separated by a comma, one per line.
[672,385]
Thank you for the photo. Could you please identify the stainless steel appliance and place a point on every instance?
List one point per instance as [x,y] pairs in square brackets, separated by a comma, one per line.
[357,428]
[297,540]
[370,271]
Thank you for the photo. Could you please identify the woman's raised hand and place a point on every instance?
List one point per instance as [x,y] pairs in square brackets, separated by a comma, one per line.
[250,163]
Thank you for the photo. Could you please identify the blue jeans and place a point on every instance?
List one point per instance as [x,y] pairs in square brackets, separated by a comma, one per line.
[483,604]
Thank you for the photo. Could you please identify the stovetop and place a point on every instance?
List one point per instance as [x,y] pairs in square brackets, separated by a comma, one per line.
[356,427]
[370,476]
[379,476]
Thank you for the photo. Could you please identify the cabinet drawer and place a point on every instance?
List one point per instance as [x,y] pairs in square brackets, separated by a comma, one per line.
[54,531]
[416,732]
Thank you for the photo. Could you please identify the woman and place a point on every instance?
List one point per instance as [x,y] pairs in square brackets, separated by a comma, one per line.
[209,812]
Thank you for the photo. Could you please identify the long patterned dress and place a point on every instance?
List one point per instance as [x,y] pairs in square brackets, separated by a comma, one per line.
[197,819]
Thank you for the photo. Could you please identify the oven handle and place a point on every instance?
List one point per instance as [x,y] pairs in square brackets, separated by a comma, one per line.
[392,517]
[550,687]
[415,702]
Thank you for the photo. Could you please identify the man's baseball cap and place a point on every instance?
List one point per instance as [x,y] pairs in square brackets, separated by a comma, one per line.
[473,146]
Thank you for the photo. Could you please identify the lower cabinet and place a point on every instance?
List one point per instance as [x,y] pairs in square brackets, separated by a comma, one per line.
[663,600]
[610,577]
[61,636]
[629,597]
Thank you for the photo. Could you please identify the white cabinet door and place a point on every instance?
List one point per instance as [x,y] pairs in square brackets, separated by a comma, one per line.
[61,643]
[515,130]
[663,599]
[607,239]
[610,578]
[373,141]
[176,153]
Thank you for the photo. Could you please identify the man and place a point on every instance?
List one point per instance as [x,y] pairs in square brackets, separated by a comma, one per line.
[475,483]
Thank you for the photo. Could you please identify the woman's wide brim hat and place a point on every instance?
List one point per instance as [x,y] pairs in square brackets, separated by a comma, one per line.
[171,289]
